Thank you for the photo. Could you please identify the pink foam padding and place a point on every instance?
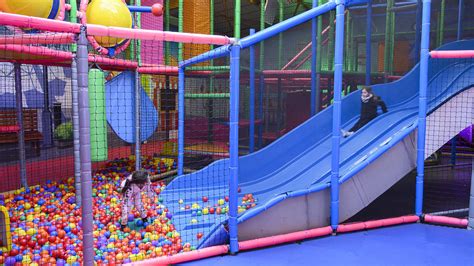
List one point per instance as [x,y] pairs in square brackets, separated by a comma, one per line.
[152,52]
[97,30]
[186,256]
[158,70]
[20,21]
[9,129]
[377,223]
[452,54]
[288,73]
[36,51]
[446,220]
[286,238]
[41,38]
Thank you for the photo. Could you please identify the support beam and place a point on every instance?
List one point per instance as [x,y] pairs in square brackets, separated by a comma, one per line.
[424,58]
[19,118]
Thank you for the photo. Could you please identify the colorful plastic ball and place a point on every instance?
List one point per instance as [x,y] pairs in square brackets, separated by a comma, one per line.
[221,202]
[37,8]
[205,199]
[112,13]
[157,10]
[10,261]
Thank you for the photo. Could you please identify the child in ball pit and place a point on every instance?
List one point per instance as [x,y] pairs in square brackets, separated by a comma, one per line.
[132,188]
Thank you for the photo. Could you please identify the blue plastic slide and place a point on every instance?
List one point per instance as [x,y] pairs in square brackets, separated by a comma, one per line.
[120,108]
[291,177]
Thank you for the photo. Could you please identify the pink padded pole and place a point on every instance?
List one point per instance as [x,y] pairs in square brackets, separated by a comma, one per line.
[286,238]
[297,56]
[127,64]
[158,70]
[97,30]
[286,73]
[153,35]
[376,223]
[36,51]
[21,21]
[444,220]
[452,54]
[41,38]
[186,256]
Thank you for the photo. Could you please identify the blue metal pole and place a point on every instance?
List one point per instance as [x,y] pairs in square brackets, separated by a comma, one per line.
[424,58]
[314,40]
[336,122]
[368,44]
[471,200]
[234,146]
[285,25]
[85,150]
[138,164]
[46,114]
[19,118]
[419,14]
[460,16]
[252,97]
[140,9]
[180,120]
[260,109]
[76,133]
[453,151]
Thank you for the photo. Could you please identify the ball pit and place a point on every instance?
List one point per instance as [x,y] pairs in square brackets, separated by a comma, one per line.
[46,223]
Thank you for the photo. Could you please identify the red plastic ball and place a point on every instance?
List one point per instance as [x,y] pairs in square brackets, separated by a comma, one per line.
[157,10]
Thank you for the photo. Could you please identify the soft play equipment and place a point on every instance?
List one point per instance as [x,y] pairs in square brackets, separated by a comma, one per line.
[112,13]
[98,120]
[120,108]
[291,177]
[50,9]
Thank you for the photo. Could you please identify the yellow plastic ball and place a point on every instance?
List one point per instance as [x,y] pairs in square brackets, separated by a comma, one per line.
[133,257]
[71,259]
[31,232]
[20,232]
[37,8]
[111,13]
[26,260]
[140,256]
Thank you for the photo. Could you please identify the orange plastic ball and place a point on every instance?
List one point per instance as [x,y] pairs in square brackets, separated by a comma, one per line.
[157,10]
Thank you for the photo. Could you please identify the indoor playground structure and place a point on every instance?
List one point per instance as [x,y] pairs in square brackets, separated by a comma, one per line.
[235,109]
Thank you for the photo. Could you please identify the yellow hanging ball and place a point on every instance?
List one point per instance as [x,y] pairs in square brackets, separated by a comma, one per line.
[111,13]
[38,8]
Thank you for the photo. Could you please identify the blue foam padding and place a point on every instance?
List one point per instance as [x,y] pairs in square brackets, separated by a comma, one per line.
[301,159]
[120,108]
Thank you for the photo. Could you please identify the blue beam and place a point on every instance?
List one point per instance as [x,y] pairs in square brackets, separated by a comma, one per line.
[212,54]
[368,44]
[424,58]
[285,25]
[234,146]
[336,122]
[314,40]
[252,97]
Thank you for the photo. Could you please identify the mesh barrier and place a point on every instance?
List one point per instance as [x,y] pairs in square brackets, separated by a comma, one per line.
[201,212]
[39,162]
[449,137]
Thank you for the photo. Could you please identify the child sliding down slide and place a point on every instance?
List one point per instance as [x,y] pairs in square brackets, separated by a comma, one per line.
[368,111]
